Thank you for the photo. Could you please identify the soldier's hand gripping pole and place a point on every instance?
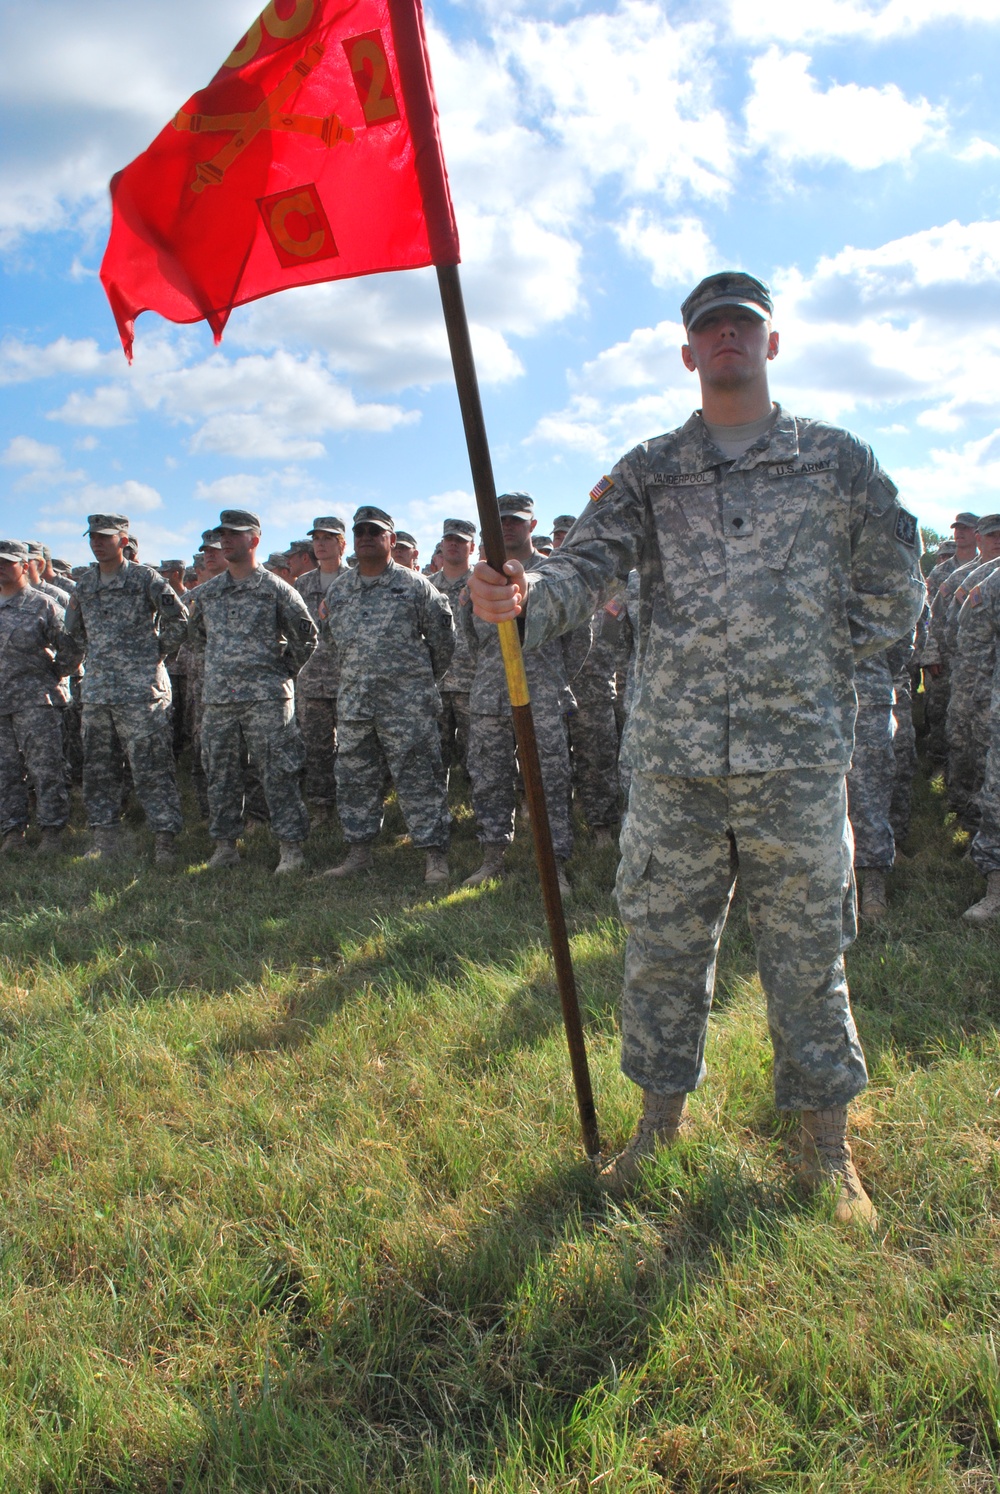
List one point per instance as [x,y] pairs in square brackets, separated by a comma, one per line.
[517,687]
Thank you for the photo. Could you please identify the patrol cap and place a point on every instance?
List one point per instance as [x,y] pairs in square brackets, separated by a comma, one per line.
[970,521]
[371,515]
[35,547]
[460,528]
[239,518]
[516,505]
[106,524]
[210,540]
[13,550]
[61,565]
[190,573]
[542,542]
[131,549]
[300,547]
[727,288]
[404,538]
[171,565]
[988,524]
[278,557]
[947,547]
[561,523]
[329,525]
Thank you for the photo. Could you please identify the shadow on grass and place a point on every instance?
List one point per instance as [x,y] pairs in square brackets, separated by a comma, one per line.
[488,1346]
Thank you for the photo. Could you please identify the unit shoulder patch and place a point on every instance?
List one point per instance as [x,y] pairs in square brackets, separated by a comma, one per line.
[906,528]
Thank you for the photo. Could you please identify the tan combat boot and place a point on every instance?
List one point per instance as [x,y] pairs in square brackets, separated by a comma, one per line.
[436,873]
[13,842]
[359,859]
[51,843]
[874,901]
[604,836]
[224,855]
[827,1160]
[163,850]
[292,859]
[659,1125]
[493,854]
[107,844]
[989,908]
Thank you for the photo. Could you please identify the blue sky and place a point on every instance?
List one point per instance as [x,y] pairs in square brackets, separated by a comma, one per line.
[602,159]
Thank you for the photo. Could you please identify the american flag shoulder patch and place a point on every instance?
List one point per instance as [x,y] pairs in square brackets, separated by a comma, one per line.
[599,489]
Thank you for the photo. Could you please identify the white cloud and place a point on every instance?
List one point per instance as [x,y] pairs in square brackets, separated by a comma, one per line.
[792,118]
[21,362]
[128,497]
[44,465]
[677,251]
[979,150]
[790,21]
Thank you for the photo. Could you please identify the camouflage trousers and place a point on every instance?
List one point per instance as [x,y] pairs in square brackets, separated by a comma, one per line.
[454,722]
[968,743]
[870,784]
[936,692]
[593,740]
[984,853]
[266,732]
[317,717]
[904,747]
[143,734]
[31,754]
[493,770]
[408,748]
[788,838]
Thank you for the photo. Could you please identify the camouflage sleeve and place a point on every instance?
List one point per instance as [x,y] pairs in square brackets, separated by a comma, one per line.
[576,647]
[973,655]
[465,620]
[301,633]
[171,614]
[438,628]
[593,562]
[196,635]
[887,586]
[73,649]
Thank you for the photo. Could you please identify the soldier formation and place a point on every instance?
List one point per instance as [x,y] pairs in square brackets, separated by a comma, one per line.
[725,642]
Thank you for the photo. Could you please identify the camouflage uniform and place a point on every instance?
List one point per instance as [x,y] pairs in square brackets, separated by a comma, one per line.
[123,626]
[316,697]
[395,637]
[980,629]
[901,658]
[255,635]
[937,650]
[31,700]
[972,668]
[593,731]
[457,683]
[873,766]
[761,580]
[550,668]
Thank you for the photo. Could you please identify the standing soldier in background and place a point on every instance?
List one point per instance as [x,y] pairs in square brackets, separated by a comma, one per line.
[935,660]
[301,560]
[551,670]
[458,543]
[123,619]
[33,651]
[37,563]
[316,686]
[593,730]
[256,633]
[212,564]
[870,782]
[405,552]
[172,572]
[979,633]
[971,683]
[394,635]
[772,553]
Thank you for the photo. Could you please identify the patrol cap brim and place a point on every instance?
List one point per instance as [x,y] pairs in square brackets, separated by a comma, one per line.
[968,521]
[377,516]
[718,301]
[13,550]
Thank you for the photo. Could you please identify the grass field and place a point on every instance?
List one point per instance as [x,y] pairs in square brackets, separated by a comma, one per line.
[293,1198]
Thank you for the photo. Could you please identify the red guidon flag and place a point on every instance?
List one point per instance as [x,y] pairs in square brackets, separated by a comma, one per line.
[313,154]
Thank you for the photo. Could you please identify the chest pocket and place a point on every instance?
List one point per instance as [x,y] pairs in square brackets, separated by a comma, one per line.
[687,531]
[789,498]
[247,617]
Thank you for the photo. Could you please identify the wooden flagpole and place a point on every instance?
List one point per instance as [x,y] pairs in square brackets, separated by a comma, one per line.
[517,688]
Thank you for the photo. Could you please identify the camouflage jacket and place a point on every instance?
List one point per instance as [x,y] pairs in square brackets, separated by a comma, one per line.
[123,629]
[937,575]
[255,634]
[463,666]
[33,651]
[974,660]
[551,666]
[761,581]
[395,636]
[969,581]
[320,677]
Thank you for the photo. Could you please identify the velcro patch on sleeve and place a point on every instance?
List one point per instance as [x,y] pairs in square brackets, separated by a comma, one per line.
[906,528]
[975,597]
[599,489]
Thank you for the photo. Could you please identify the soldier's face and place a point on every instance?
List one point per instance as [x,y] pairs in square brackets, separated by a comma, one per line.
[964,535]
[328,547]
[373,543]
[11,572]
[106,546]
[404,555]
[457,551]
[237,544]
[989,545]
[729,346]
[215,562]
